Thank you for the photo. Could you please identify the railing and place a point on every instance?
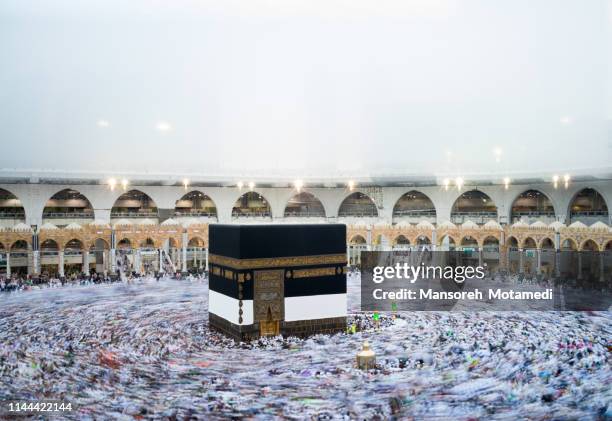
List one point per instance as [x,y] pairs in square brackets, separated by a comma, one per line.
[65,215]
[476,217]
[347,214]
[588,213]
[251,215]
[135,214]
[195,213]
[532,213]
[304,214]
[12,215]
[416,212]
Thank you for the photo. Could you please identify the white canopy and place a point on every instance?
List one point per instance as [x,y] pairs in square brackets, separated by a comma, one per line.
[577,225]
[447,224]
[170,221]
[469,225]
[599,226]
[48,226]
[99,223]
[147,221]
[21,227]
[73,226]
[556,225]
[425,224]
[492,225]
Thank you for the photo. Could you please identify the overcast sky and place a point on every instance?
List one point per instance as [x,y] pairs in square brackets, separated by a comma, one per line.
[306,87]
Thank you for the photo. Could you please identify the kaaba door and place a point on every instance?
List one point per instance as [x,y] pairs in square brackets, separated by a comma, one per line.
[268,301]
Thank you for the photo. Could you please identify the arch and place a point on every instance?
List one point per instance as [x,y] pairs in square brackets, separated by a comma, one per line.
[134,204]
[452,243]
[49,245]
[414,204]
[381,239]
[252,205]
[195,203]
[2,247]
[608,246]
[568,244]
[19,246]
[358,204]
[589,245]
[512,242]
[469,241]
[531,203]
[423,240]
[11,207]
[67,204]
[357,239]
[473,205]
[99,244]
[74,244]
[490,244]
[588,206]
[124,244]
[173,243]
[547,243]
[147,243]
[529,243]
[304,205]
[196,242]
[401,240]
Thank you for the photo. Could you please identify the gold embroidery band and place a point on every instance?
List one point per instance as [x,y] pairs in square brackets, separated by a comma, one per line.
[277,262]
[311,273]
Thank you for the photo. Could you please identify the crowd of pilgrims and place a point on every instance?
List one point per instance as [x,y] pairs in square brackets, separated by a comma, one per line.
[25,283]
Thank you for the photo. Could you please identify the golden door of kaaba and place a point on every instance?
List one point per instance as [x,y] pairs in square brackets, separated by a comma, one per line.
[268,301]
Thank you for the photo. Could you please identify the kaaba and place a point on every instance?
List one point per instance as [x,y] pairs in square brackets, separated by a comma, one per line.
[267,280]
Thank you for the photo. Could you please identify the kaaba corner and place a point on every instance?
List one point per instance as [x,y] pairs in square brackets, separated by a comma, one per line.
[267,280]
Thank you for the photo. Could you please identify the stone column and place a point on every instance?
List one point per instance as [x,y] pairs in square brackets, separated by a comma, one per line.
[539,261]
[480,256]
[137,264]
[521,268]
[60,256]
[161,260]
[434,240]
[601,267]
[36,262]
[113,261]
[206,256]
[185,241]
[557,262]
[86,262]
[8,264]
[579,265]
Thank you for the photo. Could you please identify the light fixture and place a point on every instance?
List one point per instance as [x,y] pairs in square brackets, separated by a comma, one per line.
[112,183]
[459,182]
[446,183]
[555,181]
[351,185]
[240,185]
[251,185]
[103,123]
[298,185]
[506,183]
[566,179]
[186,183]
[124,184]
